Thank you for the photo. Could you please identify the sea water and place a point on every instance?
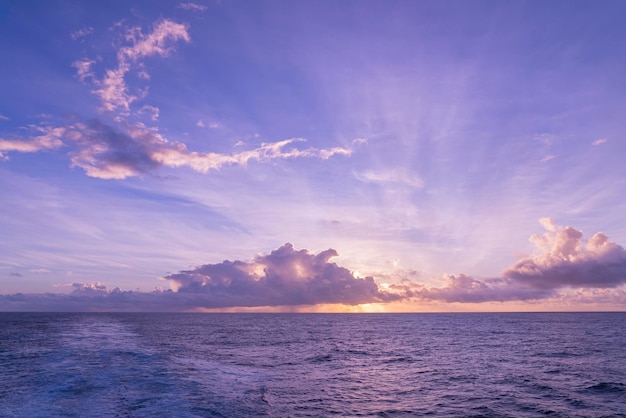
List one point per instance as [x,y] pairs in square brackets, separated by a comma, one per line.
[288,365]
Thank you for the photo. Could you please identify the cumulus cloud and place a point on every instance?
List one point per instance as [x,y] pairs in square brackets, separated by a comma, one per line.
[564,258]
[283,277]
[566,269]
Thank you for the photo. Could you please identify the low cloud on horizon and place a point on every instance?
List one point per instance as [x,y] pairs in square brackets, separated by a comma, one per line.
[595,268]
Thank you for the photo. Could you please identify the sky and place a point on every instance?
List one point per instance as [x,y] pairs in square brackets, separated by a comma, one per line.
[324,156]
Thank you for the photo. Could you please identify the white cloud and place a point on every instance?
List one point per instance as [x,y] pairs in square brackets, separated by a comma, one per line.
[200,124]
[401,177]
[2,117]
[547,158]
[192,7]
[599,141]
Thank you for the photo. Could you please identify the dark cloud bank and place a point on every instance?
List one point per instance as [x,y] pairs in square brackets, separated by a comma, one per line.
[289,277]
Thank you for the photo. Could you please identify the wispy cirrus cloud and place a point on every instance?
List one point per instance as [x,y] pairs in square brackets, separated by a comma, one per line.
[81,33]
[192,7]
[112,89]
[390,177]
[599,141]
[129,148]
[49,138]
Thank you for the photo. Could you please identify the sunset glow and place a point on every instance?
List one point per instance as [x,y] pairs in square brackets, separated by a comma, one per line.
[323,156]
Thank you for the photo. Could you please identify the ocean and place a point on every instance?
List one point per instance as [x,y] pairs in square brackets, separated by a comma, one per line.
[290,365]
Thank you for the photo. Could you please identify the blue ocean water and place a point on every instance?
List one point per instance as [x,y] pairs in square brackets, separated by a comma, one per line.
[287,365]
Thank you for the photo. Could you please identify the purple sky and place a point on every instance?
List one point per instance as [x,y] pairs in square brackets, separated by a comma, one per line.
[323,155]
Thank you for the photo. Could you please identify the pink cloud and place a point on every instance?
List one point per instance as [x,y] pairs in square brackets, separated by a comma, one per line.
[112,88]
[595,268]
[284,277]
[564,258]
[50,138]
[107,153]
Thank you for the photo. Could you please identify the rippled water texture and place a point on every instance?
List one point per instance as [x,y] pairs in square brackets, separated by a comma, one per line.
[231,365]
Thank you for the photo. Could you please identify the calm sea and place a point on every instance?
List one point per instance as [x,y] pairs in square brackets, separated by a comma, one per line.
[286,365]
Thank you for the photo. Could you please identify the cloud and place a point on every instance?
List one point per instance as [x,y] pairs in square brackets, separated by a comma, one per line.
[564,258]
[599,141]
[109,153]
[563,261]
[50,138]
[566,269]
[2,117]
[284,277]
[192,7]
[547,158]
[106,153]
[83,69]
[388,177]
[154,43]
[13,274]
[81,33]
[131,148]
[152,111]
[466,289]
[112,89]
